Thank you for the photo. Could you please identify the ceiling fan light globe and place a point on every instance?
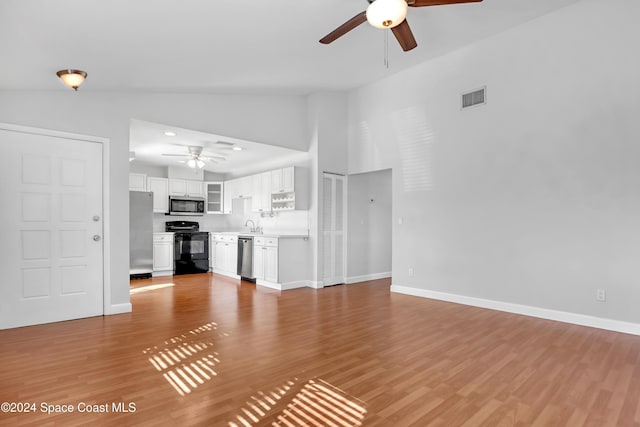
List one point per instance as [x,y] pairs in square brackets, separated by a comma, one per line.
[200,163]
[191,163]
[384,14]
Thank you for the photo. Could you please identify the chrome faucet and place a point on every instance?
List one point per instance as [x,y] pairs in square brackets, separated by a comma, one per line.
[253,225]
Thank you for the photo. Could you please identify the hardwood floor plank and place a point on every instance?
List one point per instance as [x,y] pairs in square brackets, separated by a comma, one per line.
[213,351]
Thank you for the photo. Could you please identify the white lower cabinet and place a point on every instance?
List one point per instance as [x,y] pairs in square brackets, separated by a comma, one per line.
[225,254]
[162,254]
[265,259]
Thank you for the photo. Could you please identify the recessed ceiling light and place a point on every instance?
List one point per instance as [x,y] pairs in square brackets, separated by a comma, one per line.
[169,133]
[237,148]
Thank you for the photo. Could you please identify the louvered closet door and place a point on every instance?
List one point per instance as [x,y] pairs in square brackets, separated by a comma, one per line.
[333,229]
[51,255]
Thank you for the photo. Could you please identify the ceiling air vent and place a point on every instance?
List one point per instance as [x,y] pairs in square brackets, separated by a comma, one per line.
[224,144]
[476,97]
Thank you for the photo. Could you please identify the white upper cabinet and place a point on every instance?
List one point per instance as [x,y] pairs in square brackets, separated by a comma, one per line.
[283,180]
[215,197]
[186,187]
[230,193]
[195,188]
[160,189]
[177,187]
[137,182]
[283,189]
[261,194]
[269,191]
[288,178]
[244,187]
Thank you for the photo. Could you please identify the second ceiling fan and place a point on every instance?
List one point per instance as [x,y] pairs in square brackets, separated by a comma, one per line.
[388,14]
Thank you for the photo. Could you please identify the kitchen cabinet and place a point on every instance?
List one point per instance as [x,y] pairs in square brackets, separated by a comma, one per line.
[283,180]
[243,188]
[261,193]
[137,182]
[265,259]
[283,189]
[238,188]
[162,254]
[215,197]
[186,187]
[229,191]
[225,258]
[160,189]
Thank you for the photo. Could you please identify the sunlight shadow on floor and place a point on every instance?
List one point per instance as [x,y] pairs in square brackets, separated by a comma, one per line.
[293,404]
[186,361]
[150,288]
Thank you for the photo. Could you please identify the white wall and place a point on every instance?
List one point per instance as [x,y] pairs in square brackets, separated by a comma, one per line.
[369,225]
[276,120]
[534,198]
[327,140]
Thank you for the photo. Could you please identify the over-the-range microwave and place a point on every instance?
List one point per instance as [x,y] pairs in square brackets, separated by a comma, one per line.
[180,205]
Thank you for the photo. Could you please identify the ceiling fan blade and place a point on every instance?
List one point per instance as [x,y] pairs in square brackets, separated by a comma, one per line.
[213,155]
[345,28]
[422,3]
[177,155]
[404,35]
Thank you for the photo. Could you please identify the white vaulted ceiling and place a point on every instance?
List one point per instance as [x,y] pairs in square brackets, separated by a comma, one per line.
[232,46]
[226,46]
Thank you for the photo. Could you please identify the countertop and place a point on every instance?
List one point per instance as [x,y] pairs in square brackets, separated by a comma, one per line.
[278,234]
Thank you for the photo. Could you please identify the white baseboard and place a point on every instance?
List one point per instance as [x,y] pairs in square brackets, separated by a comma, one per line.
[296,284]
[543,313]
[120,308]
[285,286]
[226,273]
[366,277]
[162,273]
[266,284]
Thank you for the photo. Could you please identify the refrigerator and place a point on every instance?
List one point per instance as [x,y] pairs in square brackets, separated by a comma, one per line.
[140,234]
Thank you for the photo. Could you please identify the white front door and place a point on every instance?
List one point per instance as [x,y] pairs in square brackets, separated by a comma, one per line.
[51,252]
[333,221]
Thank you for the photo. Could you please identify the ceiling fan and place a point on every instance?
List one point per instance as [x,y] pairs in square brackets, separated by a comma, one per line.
[388,14]
[196,157]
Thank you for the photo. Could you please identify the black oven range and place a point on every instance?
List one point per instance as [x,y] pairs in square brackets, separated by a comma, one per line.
[191,247]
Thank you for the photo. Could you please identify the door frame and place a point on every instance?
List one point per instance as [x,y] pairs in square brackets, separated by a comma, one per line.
[344,227]
[106,217]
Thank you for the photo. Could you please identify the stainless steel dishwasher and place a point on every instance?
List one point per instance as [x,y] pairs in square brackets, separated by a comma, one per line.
[245,258]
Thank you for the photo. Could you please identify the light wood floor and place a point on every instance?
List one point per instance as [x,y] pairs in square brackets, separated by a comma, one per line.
[207,350]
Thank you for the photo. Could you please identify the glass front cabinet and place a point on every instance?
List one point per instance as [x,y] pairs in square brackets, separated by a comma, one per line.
[213,193]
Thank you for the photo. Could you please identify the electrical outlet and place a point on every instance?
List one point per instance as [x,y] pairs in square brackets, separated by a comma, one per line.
[410,271]
[601,295]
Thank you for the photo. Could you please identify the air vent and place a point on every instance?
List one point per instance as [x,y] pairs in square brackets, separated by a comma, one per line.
[476,97]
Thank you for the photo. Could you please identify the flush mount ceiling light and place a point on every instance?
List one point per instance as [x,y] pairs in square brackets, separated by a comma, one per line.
[387,13]
[169,133]
[72,78]
[237,148]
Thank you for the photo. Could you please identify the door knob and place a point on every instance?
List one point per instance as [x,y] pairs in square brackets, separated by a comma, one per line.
[96,218]
[96,238]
